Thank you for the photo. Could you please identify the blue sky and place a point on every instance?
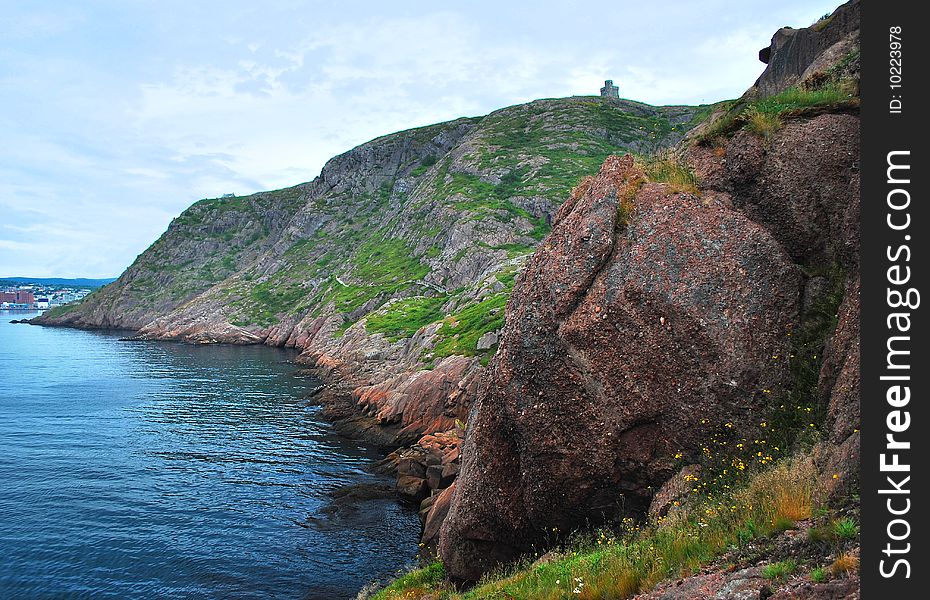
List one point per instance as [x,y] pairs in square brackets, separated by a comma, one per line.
[115,116]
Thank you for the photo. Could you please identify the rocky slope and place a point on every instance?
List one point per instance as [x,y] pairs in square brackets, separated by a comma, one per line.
[653,319]
[427,211]
[391,269]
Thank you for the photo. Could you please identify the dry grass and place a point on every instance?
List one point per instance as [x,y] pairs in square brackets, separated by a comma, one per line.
[786,492]
[845,564]
[669,169]
[763,124]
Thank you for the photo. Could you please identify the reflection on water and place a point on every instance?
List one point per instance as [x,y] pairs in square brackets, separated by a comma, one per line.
[136,469]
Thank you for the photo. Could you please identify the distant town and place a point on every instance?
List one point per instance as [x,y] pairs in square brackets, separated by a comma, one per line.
[38,297]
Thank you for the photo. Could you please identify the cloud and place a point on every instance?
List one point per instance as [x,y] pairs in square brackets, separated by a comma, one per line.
[116,118]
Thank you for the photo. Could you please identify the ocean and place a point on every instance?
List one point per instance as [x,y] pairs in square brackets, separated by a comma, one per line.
[164,470]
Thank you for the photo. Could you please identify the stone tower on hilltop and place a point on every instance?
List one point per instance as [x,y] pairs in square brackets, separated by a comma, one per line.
[610,90]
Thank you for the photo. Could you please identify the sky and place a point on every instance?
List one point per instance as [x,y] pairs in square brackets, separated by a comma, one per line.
[116,116]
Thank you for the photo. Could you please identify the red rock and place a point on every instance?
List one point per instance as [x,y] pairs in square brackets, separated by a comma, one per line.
[434,520]
[564,434]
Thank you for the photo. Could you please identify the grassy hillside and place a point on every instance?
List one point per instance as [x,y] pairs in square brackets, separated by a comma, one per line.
[438,217]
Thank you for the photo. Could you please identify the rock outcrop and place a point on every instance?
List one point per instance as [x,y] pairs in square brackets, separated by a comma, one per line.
[796,54]
[621,340]
[803,187]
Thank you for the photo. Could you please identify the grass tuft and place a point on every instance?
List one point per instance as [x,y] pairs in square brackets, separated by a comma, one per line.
[670,169]
[846,529]
[845,564]
[763,124]
[779,570]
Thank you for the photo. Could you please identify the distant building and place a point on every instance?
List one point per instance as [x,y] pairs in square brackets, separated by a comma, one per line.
[610,90]
[41,303]
[24,297]
[9,297]
[229,195]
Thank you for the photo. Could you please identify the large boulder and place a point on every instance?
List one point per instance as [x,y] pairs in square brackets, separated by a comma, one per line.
[803,187]
[622,340]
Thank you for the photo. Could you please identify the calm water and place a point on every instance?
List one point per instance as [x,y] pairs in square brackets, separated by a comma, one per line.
[160,470]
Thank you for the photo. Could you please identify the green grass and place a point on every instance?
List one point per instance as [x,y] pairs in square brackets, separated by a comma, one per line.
[794,99]
[419,581]
[634,558]
[779,570]
[460,332]
[62,310]
[404,318]
[381,267]
[818,575]
[767,115]
[846,529]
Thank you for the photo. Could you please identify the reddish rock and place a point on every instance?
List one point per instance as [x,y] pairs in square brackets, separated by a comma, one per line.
[438,510]
[745,584]
[843,588]
[619,340]
[424,401]
[802,185]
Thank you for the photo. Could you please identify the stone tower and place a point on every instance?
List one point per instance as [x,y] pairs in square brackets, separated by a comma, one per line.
[610,90]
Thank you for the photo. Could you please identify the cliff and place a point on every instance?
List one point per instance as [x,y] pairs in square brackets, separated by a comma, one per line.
[660,324]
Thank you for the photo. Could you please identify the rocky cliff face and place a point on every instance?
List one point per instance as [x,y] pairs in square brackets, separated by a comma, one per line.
[795,55]
[651,316]
[399,257]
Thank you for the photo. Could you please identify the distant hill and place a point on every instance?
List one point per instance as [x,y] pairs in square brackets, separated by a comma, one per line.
[437,219]
[77,282]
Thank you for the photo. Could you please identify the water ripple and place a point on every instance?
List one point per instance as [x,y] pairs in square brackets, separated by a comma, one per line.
[158,470]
